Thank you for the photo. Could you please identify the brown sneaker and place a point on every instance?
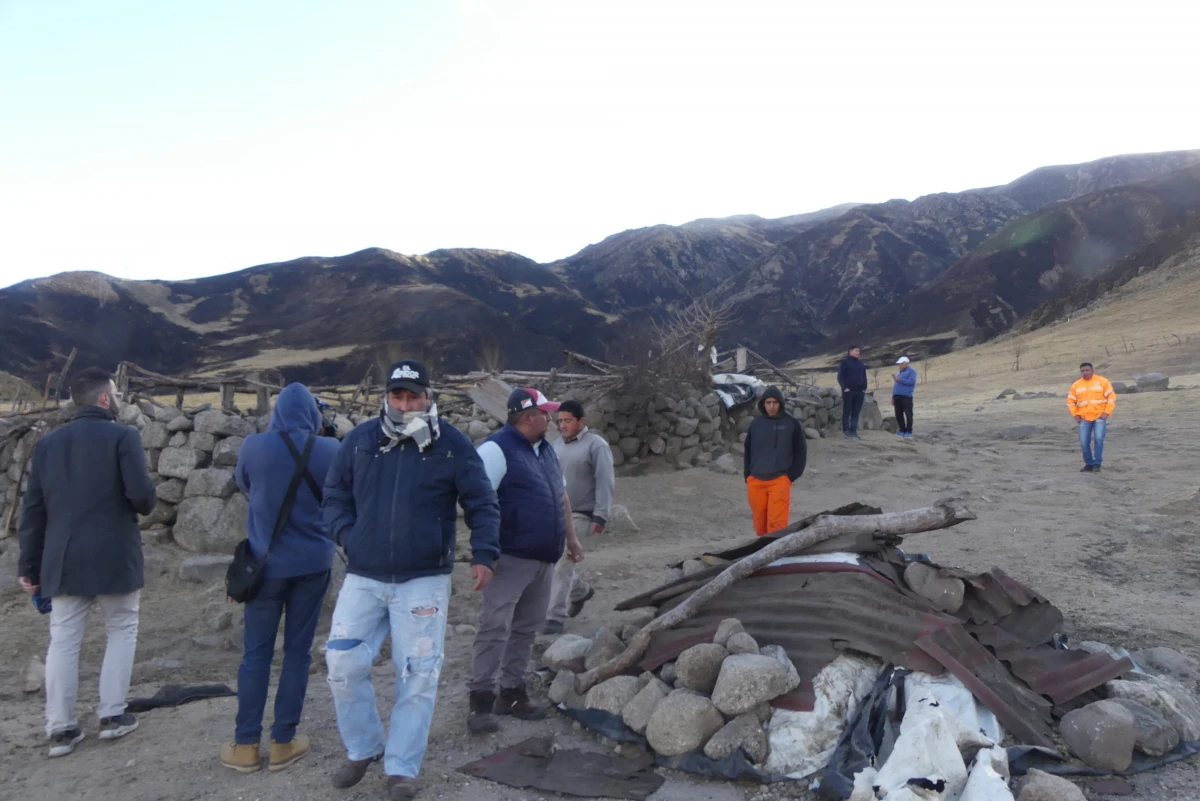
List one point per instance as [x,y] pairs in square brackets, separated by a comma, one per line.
[242,758]
[351,771]
[284,754]
[402,788]
[515,702]
[480,719]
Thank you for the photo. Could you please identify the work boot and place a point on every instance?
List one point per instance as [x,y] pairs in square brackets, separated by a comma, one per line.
[284,754]
[239,757]
[577,606]
[515,702]
[402,788]
[480,719]
[351,771]
[1087,468]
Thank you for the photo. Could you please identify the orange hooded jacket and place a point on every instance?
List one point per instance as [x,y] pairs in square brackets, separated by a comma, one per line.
[1090,398]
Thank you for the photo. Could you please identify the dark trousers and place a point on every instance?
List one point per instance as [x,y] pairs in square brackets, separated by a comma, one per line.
[298,601]
[904,408]
[852,403]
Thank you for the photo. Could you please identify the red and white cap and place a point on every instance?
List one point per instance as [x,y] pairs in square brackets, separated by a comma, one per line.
[527,398]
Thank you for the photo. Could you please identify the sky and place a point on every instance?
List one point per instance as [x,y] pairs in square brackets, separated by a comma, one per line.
[158,139]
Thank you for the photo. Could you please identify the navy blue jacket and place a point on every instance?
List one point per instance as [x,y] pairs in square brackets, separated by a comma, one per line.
[87,485]
[533,512]
[263,471]
[394,513]
[852,374]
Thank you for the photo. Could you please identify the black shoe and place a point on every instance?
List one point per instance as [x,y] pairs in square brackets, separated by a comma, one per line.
[480,719]
[854,435]
[847,435]
[351,771]
[402,788]
[1087,468]
[64,742]
[1095,468]
[577,606]
[553,627]
[516,702]
[112,728]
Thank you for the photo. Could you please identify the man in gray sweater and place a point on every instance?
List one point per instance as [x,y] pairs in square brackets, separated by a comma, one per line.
[587,466]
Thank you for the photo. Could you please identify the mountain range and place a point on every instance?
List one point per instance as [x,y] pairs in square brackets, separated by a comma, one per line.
[926,275]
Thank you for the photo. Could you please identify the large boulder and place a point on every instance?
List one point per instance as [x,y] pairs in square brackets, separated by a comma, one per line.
[170,490]
[202,441]
[226,452]
[195,520]
[605,645]
[180,462]
[747,680]
[1040,786]
[562,686]
[208,568]
[163,514]
[620,521]
[744,732]
[637,712]
[686,426]
[180,424]
[871,419]
[1163,661]
[155,435]
[612,695]
[1167,697]
[698,667]
[567,653]
[629,446]
[682,722]
[944,592]
[1102,734]
[215,482]
[742,643]
[165,414]
[1152,382]
[216,422]
[1155,736]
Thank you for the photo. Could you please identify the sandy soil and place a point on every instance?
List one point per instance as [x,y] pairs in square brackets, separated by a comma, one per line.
[1119,553]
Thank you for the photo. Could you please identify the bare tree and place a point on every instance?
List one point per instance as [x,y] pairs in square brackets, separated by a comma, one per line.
[676,349]
[491,356]
[1018,347]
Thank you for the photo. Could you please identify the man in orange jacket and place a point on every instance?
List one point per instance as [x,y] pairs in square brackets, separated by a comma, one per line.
[1091,401]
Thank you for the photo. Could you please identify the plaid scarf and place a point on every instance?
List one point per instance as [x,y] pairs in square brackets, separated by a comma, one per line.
[420,427]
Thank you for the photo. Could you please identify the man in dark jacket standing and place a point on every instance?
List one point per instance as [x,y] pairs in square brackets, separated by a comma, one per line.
[535,528]
[80,542]
[776,452]
[296,576]
[390,500]
[852,378]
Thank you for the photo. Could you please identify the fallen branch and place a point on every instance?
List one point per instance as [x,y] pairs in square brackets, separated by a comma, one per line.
[942,515]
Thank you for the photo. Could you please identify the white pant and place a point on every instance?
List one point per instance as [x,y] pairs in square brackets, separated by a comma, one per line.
[568,585]
[68,622]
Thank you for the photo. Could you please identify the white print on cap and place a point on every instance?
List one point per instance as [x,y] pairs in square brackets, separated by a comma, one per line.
[405,372]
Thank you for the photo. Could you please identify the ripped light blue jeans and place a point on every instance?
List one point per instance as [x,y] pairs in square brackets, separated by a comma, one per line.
[415,614]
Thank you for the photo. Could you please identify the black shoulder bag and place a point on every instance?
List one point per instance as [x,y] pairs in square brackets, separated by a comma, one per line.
[245,577]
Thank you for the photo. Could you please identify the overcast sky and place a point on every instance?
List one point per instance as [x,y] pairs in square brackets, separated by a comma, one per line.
[156,139]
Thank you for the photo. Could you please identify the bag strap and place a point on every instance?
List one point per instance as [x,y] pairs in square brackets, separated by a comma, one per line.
[313,486]
[290,497]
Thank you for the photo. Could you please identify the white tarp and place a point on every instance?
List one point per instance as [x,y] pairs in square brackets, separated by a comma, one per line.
[734,389]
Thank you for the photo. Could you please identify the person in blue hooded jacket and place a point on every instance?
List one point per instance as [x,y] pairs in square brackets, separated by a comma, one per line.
[296,578]
[903,386]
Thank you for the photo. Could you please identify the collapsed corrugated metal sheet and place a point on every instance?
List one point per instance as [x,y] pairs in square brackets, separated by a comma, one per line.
[814,611]
[1022,711]
[996,597]
[1060,675]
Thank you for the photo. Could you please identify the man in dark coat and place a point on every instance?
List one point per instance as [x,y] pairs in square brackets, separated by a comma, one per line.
[852,378]
[776,452]
[80,542]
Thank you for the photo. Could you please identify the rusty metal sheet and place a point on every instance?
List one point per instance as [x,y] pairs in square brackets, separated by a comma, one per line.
[1022,711]
[996,597]
[1059,674]
[814,611]
[491,395]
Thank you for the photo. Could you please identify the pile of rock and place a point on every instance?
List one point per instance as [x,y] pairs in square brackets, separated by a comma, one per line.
[715,697]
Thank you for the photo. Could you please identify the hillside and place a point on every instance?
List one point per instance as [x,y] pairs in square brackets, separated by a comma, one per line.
[1033,260]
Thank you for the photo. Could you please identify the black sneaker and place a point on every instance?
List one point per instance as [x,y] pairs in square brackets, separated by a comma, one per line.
[1095,468]
[480,719]
[1087,468]
[854,435]
[577,606]
[112,728]
[64,742]
[516,702]
[553,627]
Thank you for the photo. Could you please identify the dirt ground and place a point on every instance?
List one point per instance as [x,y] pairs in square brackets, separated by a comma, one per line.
[1119,553]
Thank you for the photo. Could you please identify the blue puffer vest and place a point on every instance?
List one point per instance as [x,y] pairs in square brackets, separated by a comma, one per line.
[533,520]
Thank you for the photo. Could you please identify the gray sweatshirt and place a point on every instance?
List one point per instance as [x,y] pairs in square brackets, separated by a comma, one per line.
[587,466]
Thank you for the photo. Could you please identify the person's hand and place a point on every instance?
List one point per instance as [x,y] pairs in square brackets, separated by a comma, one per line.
[482,575]
[28,585]
[1104,417]
[597,528]
[1078,419]
[574,550]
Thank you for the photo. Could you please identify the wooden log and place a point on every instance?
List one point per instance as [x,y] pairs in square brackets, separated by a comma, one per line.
[179,398]
[227,390]
[942,515]
[63,375]
[595,364]
[262,405]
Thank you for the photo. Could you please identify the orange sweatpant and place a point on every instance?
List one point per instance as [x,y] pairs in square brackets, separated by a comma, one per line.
[770,501]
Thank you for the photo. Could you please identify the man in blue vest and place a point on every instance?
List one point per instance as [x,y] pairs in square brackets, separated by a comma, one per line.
[535,528]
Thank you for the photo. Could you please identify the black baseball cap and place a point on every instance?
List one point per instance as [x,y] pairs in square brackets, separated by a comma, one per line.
[408,374]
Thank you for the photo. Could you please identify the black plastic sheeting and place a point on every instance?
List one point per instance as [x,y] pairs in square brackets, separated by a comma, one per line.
[735,767]
[862,742]
[177,695]
[1024,758]
[536,763]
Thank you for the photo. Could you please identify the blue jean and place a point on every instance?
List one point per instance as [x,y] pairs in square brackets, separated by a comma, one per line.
[852,403]
[300,597]
[415,614]
[1089,429]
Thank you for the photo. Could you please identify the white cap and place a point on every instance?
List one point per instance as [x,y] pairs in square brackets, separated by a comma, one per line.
[902,360]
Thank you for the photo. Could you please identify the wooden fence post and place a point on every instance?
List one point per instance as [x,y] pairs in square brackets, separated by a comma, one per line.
[227,390]
[263,405]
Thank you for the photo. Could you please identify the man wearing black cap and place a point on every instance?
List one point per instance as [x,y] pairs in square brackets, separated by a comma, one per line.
[390,499]
[535,528]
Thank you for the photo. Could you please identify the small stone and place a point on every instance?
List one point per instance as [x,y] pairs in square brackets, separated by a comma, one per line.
[726,629]
[747,680]
[465,630]
[1040,786]
[698,667]
[221,620]
[1102,734]
[226,452]
[667,673]
[605,646]
[682,722]
[215,641]
[620,521]
[562,686]
[206,568]
[693,566]
[180,423]
[628,631]
[567,653]
[944,592]
[637,713]
[744,732]
[612,695]
[642,617]
[742,643]
[725,465]
[778,653]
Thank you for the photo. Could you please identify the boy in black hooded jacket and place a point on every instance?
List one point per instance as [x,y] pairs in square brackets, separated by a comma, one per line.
[776,451]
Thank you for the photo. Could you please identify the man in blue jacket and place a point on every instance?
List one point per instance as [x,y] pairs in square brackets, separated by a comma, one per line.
[905,383]
[390,503]
[852,378]
[296,576]
[535,528]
